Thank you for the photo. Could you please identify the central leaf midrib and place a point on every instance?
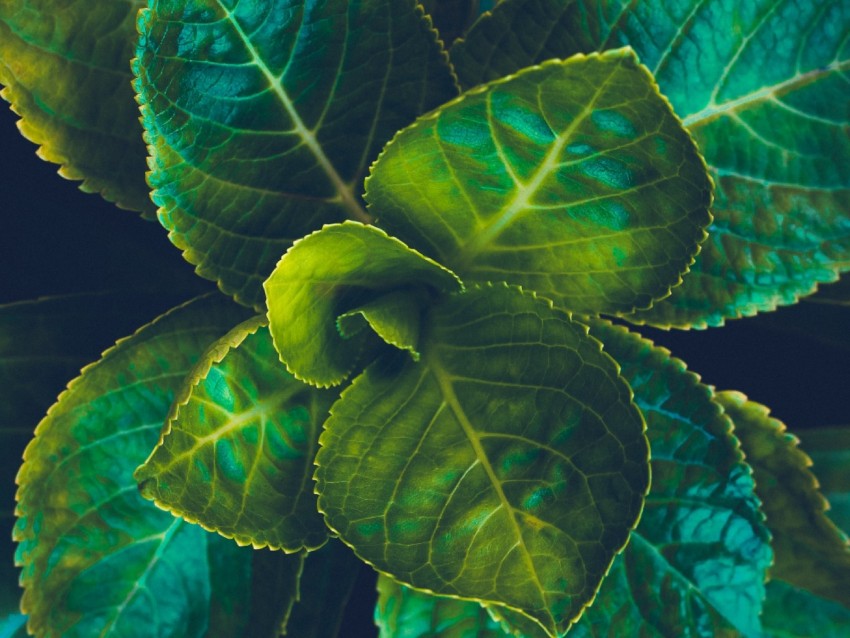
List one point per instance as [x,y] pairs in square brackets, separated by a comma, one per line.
[450,398]
[349,201]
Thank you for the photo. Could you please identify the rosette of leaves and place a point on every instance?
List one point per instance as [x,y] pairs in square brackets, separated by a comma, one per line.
[429,379]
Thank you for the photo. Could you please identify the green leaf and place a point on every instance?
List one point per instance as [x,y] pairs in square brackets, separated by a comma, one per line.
[236,454]
[66,71]
[263,117]
[96,557]
[829,449]
[696,564]
[796,613]
[810,551]
[507,466]
[406,613]
[451,17]
[573,179]
[394,318]
[324,589]
[330,273]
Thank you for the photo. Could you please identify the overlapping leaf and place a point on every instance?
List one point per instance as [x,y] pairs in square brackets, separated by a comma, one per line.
[263,116]
[237,452]
[829,448]
[810,551]
[796,613]
[406,613]
[66,71]
[573,179]
[695,565]
[507,466]
[96,557]
[331,274]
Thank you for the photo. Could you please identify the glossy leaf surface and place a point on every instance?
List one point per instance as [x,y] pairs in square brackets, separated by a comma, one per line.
[237,452]
[96,557]
[829,448]
[573,179]
[330,273]
[263,117]
[810,551]
[66,71]
[796,613]
[696,564]
[406,613]
[507,466]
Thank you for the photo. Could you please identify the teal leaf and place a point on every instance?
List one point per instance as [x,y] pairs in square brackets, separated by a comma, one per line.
[326,585]
[402,612]
[810,551]
[262,118]
[96,557]
[696,564]
[829,449]
[574,179]
[14,626]
[507,466]
[330,273]
[65,67]
[236,454]
[796,613]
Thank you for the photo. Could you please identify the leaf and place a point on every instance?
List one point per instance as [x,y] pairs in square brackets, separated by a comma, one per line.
[507,466]
[406,613]
[829,448]
[66,71]
[14,626]
[451,17]
[394,318]
[236,454]
[796,613]
[810,551]
[330,273]
[326,585]
[573,179]
[696,564]
[97,559]
[263,116]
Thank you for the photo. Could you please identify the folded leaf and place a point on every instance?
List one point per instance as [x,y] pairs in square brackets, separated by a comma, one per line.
[406,613]
[97,558]
[796,613]
[507,466]
[66,71]
[236,455]
[331,273]
[573,179]
[810,551]
[263,116]
[829,449]
[696,564]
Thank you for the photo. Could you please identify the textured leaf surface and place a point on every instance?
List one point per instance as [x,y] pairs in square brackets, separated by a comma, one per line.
[573,179]
[796,613]
[507,466]
[695,565]
[829,448]
[324,589]
[66,71]
[237,452]
[97,559]
[330,273]
[406,613]
[263,116]
[810,551]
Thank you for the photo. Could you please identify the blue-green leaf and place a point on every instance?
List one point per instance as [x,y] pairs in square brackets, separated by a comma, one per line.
[796,613]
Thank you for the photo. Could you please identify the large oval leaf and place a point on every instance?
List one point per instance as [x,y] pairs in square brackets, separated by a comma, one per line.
[507,466]
[236,454]
[66,71]
[96,557]
[263,116]
[573,179]
[696,564]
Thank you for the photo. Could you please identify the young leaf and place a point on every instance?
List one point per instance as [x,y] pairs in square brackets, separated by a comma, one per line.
[810,551]
[236,454]
[406,613]
[96,557]
[573,179]
[331,273]
[507,466]
[796,613]
[696,564]
[66,71]
[829,448]
[263,116]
